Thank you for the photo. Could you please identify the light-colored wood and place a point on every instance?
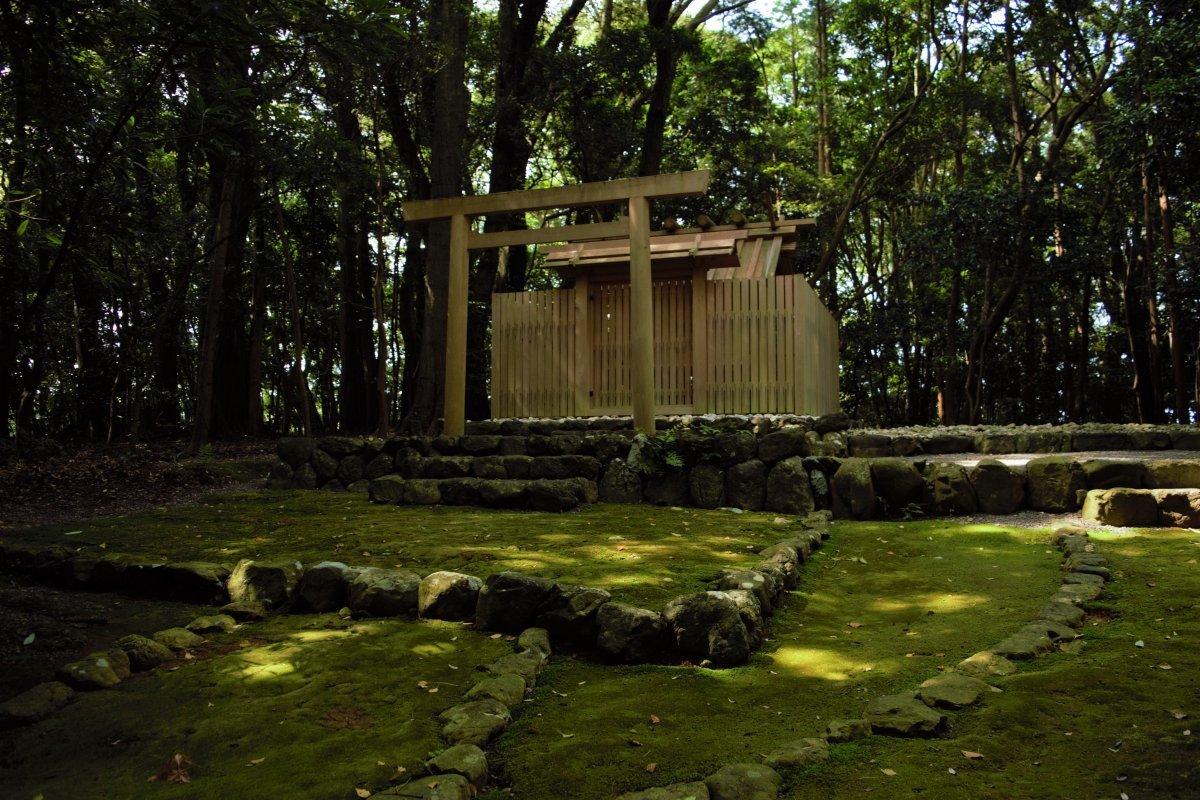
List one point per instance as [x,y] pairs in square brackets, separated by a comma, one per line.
[455,397]
[731,346]
[641,314]
[699,341]
[562,233]
[581,378]
[678,184]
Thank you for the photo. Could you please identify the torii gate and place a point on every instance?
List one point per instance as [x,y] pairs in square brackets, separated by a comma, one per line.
[637,192]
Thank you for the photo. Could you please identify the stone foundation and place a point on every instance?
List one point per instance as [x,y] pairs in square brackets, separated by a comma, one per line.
[787,465]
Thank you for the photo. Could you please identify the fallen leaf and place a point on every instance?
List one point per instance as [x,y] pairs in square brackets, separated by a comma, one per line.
[654,719]
[29,639]
[855,624]
[952,771]
[971,754]
[254,762]
[362,792]
[1177,714]
[651,767]
[176,770]
[1164,665]
[891,773]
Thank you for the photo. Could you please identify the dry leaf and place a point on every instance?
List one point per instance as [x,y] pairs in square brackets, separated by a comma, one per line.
[654,719]
[362,792]
[176,770]
[971,754]
[1164,665]
[855,624]
[254,762]
[1177,714]
[891,773]
[651,767]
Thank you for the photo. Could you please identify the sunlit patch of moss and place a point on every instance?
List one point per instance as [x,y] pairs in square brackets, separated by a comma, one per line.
[302,709]
[925,598]
[647,553]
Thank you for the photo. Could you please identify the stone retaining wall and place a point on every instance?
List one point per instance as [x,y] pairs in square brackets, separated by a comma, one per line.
[785,465]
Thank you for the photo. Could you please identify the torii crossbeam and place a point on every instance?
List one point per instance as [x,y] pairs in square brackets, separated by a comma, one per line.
[636,192]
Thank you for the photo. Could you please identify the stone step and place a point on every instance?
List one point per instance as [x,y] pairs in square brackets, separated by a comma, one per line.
[537,494]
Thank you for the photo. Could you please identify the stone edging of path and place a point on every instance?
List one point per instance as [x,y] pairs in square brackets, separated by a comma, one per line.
[922,713]
[105,669]
[720,627]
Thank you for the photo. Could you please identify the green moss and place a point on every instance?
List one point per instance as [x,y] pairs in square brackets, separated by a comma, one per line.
[643,554]
[929,594]
[301,707]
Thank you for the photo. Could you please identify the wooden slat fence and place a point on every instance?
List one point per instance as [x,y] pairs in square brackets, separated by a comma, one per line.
[770,346]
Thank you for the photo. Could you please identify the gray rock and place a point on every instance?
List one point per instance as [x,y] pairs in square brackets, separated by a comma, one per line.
[1023,645]
[362,487]
[509,601]
[752,614]
[751,581]
[734,447]
[188,581]
[853,491]
[341,446]
[461,491]
[952,690]
[216,623]
[36,704]
[379,466]
[325,465]
[432,787]
[351,469]
[746,485]
[669,487]
[560,495]
[97,671]
[294,451]
[904,715]
[896,482]
[144,653]
[709,626]
[676,791]
[781,444]
[869,445]
[1178,508]
[508,688]
[1103,473]
[536,640]
[466,760]
[448,595]
[387,489]
[847,730]
[476,722]
[788,489]
[178,639]
[1000,490]
[1054,484]
[268,582]
[1125,508]
[1173,474]
[502,493]
[448,467]
[245,611]
[323,586]
[569,612]
[630,635]
[800,753]
[526,665]
[377,592]
[421,492]
[986,665]
[304,477]
[620,483]
[1063,613]
[744,782]
[570,466]
[948,490]
[1054,631]
[706,486]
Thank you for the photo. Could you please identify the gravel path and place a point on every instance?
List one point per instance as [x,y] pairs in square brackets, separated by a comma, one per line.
[1021,459]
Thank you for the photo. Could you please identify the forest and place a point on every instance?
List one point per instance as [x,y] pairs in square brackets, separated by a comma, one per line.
[202,233]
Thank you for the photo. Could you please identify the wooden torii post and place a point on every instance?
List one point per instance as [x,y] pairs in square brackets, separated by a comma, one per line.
[636,192]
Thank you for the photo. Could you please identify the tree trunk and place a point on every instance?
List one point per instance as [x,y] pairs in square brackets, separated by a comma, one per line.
[662,36]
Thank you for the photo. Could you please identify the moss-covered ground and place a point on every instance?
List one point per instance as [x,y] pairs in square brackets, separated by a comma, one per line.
[642,554]
[1110,719]
[296,707]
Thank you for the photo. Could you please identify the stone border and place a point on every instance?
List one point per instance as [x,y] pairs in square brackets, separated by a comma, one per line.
[720,627]
[106,669]
[923,713]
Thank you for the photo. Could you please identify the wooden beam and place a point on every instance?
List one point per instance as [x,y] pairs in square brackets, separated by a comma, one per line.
[585,194]
[563,233]
[641,315]
[582,379]
[455,398]
[699,340]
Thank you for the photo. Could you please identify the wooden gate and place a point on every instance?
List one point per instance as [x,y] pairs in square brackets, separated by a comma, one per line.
[608,319]
[757,345]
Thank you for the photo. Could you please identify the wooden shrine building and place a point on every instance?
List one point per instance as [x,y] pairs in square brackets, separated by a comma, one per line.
[679,320]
